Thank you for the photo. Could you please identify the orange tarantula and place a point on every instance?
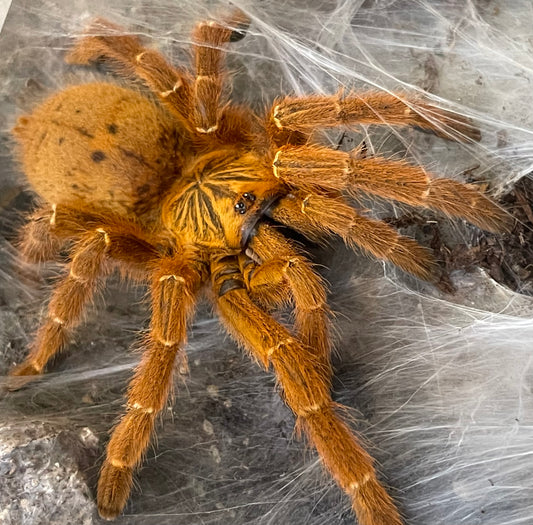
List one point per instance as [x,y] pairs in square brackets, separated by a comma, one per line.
[183,189]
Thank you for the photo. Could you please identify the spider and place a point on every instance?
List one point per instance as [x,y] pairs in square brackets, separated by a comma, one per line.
[178,187]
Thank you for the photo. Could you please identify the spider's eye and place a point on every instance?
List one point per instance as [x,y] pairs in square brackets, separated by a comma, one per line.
[249,196]
[240,207]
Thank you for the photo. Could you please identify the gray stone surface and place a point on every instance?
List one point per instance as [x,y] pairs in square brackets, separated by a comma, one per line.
[41,480]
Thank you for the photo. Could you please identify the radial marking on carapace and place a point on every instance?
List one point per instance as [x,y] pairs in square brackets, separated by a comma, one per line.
[242,175]
[202,200]
[198,209]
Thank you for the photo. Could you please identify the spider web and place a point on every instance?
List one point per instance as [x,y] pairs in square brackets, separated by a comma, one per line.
[440,384]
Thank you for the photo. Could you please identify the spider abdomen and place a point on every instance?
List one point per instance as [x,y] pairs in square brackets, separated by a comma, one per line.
[102,144]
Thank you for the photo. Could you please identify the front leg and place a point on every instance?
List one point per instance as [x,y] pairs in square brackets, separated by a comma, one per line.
[309,113]
[317,168]
[317,216]
[283,264]
[305,382]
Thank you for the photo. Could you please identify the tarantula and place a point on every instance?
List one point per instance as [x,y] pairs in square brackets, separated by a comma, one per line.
[183,189]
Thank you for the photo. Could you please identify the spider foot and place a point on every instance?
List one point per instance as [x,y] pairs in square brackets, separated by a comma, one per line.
[113,490]
[239,27]
[449,125]
[21,375]
[98,43]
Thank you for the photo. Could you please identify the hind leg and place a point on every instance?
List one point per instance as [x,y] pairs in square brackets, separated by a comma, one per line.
[38,241]
[94,254]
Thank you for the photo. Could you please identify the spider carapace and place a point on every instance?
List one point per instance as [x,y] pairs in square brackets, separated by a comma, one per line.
[219,199]
[171,185]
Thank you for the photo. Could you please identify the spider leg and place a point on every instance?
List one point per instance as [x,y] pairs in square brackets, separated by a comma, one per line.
[209,39]
[92,258]
[38,241]
[317,216]
[321,111]
[411,184]
[266,285]
[283,264]
[173,289]
[105,40]
[313,168]
[305,382]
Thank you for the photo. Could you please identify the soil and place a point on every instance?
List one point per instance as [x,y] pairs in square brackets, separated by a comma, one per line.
[507,257]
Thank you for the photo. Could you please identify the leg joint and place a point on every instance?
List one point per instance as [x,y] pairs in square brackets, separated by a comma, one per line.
[117,463]
[73,275]
[354,486]
[286,342]
[54,213]
[166,342]
[275,117]
[140,408]
[210,129]
[177,278]
[276,164]
[107,240]
[310,410]
[174,89]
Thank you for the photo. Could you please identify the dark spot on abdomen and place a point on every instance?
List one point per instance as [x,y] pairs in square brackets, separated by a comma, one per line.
[60,141]
[145,188]
[84,132]
[98,156]
[112,128]
[132,155]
